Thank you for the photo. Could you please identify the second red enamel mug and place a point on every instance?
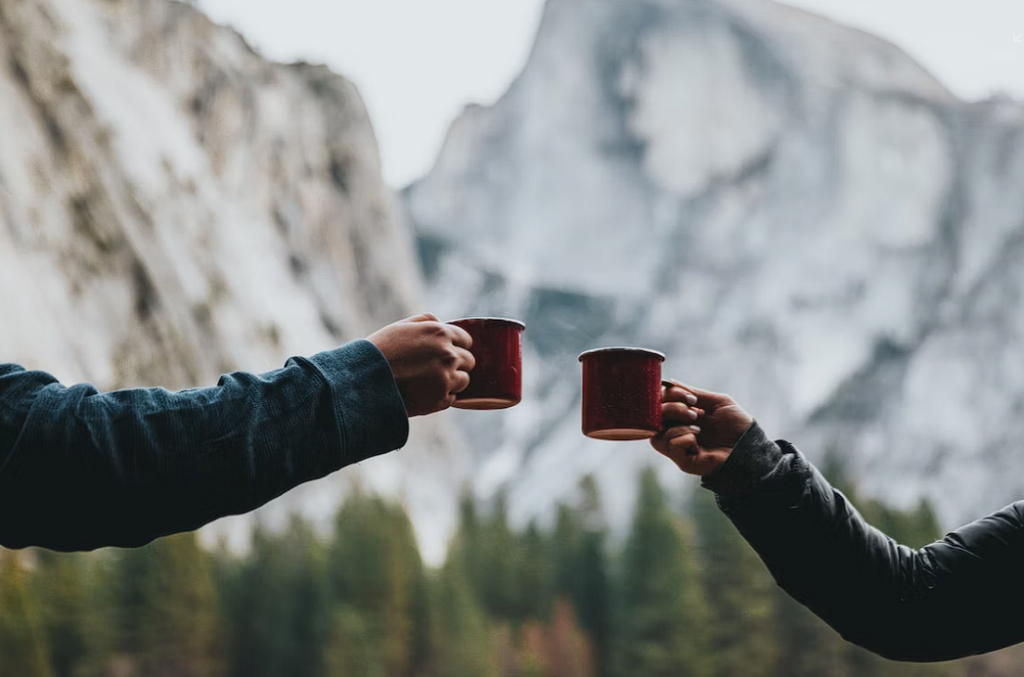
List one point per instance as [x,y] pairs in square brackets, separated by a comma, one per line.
[621,393]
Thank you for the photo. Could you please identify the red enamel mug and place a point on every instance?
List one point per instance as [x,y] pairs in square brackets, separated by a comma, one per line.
[496,381]
[621,393]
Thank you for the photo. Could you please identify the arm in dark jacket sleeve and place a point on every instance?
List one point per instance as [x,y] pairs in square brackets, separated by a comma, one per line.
[81,469]
[959,596]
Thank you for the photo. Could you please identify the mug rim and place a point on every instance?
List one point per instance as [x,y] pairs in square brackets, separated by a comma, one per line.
[496,320]
[622,349]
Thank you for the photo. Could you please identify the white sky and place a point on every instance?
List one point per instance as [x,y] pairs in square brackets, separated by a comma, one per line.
[418,62]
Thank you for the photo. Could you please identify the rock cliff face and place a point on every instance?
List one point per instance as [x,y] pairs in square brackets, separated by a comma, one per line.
[173,206]
[794,211]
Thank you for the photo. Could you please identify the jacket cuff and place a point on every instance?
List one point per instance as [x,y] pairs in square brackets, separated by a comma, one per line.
[753,458]
[368,407]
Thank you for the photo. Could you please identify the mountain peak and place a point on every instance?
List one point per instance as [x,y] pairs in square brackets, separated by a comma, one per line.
[777,202]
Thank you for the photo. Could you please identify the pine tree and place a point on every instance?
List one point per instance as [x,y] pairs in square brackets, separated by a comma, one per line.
[663,616]
[100,622]
[167,609]
[740,593]
[505,652]
[489,554]
[591,599]
[375,568]
[493,550]
[807,646]
[566,545]
[277,604]
[467,545]
[460,633]
[23,650]
[570,650]
[60,584]
[581,564]
[352,649]
[531,655]
[535,575]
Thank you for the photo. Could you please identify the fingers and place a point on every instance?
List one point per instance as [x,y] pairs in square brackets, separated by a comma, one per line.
[679,443]
[682,440]
[464,360]
[459,336]
[676,393]
[459,382]
[677,412]
[705,399]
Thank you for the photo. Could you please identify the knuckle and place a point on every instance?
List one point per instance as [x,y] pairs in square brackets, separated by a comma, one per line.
[457,379]
[431,329]
[680,442]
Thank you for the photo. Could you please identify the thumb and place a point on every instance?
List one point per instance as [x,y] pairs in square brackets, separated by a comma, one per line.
[422,317]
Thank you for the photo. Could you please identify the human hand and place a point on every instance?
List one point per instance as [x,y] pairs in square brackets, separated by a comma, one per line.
[700,428]
[429,359]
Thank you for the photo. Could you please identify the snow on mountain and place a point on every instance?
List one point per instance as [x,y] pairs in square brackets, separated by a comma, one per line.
[794,211]
[173,206]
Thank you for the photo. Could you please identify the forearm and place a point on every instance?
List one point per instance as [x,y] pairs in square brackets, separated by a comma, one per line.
[935,604]
[89,469]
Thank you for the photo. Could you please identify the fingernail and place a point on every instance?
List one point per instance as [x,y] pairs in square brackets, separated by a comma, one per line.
[694,428]
[693,413]
[691,398]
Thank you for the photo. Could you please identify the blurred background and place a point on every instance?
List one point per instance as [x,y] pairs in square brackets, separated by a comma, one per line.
[816,209]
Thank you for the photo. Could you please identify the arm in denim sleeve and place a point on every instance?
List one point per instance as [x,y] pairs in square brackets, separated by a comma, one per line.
[959,596]
[80,469]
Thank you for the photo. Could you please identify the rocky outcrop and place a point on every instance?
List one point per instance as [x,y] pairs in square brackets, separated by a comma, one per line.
[794,211]
[174,206]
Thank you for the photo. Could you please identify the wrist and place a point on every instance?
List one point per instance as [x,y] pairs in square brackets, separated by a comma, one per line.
[752,458]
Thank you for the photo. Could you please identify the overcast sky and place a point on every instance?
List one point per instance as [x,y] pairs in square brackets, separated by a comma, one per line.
[418,62]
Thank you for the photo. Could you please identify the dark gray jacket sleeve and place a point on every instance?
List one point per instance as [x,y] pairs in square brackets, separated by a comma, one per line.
[80,469]
[959,596]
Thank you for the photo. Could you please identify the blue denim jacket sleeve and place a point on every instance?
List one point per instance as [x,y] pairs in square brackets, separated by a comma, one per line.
[80,469]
